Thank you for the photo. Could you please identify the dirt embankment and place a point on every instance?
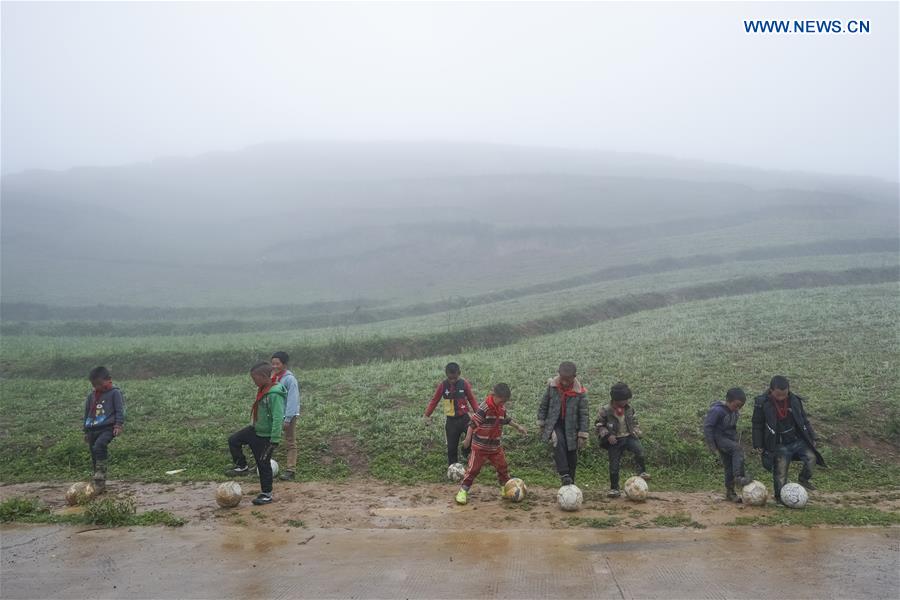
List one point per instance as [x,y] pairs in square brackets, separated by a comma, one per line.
[368,504]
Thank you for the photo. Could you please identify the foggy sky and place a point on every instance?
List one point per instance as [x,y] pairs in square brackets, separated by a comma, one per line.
[114,83]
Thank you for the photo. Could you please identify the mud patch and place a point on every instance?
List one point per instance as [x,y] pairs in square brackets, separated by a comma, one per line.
[347,449]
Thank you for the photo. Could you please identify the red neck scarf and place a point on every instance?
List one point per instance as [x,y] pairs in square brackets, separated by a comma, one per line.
[259,396]
[564,395]
[781,407]
[619,410]
[498,410]
[276,377]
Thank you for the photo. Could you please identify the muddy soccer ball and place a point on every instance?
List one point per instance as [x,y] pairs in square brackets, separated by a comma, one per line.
[514,490]
[754,494]
[456,472]
[80,492]
[274,468]
[569,497]
[794,495]
[636,489]
[229,494]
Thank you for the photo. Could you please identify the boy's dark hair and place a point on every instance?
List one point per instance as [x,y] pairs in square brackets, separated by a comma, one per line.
[735,393]
[567,367]
[620,391]
[502,390]
[262,367]
[779,382]
[282,356]
[452,369]
[99,374]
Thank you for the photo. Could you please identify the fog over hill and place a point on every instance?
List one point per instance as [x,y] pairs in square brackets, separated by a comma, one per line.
[364,211]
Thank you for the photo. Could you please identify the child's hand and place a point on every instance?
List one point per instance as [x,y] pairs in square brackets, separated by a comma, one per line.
[117,430]
[521,429]
[466,444]
[612,439]
[427,419]
[582,443]
[87,438]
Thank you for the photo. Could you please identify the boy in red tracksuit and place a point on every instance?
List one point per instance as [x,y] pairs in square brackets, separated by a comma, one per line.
[483,437]
[455,395]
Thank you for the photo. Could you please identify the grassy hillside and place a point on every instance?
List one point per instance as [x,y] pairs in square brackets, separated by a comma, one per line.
[838,344]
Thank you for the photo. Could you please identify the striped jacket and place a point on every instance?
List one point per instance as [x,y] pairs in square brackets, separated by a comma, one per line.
[488,424]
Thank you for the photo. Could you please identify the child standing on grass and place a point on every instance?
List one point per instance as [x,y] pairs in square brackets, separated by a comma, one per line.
[618,430]
[281,374]
[782,429]
[563,417]
[104,419]
[720,432]
[264,432]
[483,436]
[456,397]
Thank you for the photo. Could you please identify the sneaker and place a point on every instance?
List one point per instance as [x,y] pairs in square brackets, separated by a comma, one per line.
[645,475]
[613,494]
[287,476]
[567,480]
[263,498]
[742,481]
[236,471]
[806,483]
[462,497]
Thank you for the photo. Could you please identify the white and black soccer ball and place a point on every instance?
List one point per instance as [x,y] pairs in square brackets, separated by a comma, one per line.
[794,495]
[754,494]
[274,467]
[636,489]
[456,472]
[569,497]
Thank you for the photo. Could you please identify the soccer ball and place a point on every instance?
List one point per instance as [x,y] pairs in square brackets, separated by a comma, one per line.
[794,495]
[229,494]
[274,468]
[514,490]
[456,472]
[569,497]
[80,493]
[755,494]
[636,489]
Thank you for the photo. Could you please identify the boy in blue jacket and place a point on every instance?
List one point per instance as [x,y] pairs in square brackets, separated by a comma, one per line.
[720,432]
[104,419]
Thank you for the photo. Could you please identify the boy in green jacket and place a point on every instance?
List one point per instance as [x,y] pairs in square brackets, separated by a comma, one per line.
[264,432]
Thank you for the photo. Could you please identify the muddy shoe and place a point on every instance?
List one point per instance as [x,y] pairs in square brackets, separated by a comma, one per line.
[287,476]
[613,494]
[742,481]
[730,496]
[567,480]
[263,498]
[806,483]
[236,471]
[462,497]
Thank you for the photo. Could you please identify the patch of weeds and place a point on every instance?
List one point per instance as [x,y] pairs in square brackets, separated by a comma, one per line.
[259,515]
[110,511]
[297,523]
[239,521]
[158,517]
[822,515]
[677,520]
[25,510]
[594,522]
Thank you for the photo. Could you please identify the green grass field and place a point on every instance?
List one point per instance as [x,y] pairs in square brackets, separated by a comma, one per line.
[838,344]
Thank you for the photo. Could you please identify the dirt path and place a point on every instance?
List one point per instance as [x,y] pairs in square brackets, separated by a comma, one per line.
[369,504]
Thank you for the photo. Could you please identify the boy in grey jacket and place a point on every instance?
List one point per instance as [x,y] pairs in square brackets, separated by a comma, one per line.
[564,418]
[104,419]
[720,432]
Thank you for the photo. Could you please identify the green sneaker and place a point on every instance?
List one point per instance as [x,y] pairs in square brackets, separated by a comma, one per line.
[462,497]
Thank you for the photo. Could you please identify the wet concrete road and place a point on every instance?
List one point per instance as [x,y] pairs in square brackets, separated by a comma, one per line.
[267,562]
